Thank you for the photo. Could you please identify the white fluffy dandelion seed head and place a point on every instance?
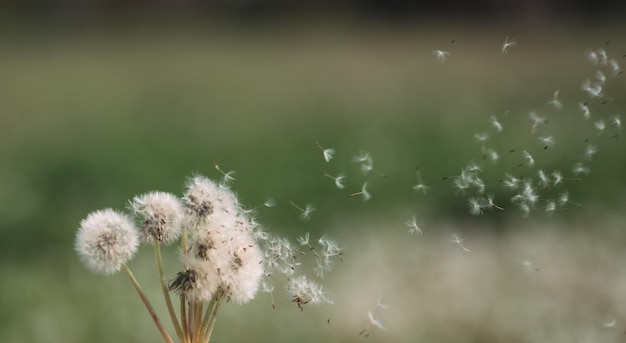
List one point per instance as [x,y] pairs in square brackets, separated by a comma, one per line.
[242,278]
[205,200]
[307,290]
[203,279]
[160,216]
[105,240]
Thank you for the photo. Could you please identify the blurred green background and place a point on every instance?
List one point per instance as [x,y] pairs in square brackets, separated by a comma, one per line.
[91,117]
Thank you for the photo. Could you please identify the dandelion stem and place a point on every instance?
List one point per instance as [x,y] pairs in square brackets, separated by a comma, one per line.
[209,327]
[146,302]
[164,289]
[183,318]
[197,321]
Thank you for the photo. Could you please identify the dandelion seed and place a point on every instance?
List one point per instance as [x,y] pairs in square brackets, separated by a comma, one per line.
[303,240]
[602,56]
[441,55]
[269,202]
[555,101]
[610,324]
[594,91]
[510,182]
[550,207]
[493,121]
[557,177]
[615,69]
[600,125]
[365,195]
[592,56]
[481,137]
[475,207]
[375,321]
[456,239]
[546,141]
[420,186]
[493,155]
[579,168]
[338,179]
[328,153]
[305,212]
[227,177]
[530,161]
[413,227]
[590,151]
[563,199]
[508,43]
[616,121]
[543,179]
[537,120]
[583,107]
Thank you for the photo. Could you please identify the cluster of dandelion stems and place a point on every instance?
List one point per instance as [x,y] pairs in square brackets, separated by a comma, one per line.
[220,251]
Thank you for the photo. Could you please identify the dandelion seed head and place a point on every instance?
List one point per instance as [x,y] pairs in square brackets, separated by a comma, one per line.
[508,43]
[106,240]
[160,216]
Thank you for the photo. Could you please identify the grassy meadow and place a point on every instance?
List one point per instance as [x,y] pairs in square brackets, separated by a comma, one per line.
[88,120]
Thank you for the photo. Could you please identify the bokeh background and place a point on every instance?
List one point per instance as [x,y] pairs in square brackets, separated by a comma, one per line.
[104,100]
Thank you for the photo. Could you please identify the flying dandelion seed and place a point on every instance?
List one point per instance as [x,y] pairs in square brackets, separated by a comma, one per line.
[441,55]
[413,227]
[328,153]
[508,43]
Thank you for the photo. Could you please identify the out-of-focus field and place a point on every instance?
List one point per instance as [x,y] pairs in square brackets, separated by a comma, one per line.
[89,120]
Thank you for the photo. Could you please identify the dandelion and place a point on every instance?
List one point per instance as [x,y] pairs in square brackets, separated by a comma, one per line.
[375,321]
[441,55]
[338,179]
[413,227]
[160,216]
[456,239]
[508,43]
[481,137]
[106,240]
[583,107]
[600,77]
[555,101]
[327,153]
[365,195]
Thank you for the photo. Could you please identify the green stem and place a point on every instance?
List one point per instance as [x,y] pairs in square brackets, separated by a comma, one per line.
[146,302]
[166,293]
[206,337]
[197,321]
[183,318]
